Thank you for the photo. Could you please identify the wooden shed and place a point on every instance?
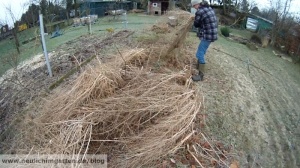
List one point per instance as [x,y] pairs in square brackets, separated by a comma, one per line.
[258,23]
[158,7]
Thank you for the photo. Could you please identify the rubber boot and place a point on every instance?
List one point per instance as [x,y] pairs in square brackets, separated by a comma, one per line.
[200,76]
[196,64]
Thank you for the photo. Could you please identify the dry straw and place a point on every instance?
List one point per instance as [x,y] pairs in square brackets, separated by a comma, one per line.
[121,109]
[144,119]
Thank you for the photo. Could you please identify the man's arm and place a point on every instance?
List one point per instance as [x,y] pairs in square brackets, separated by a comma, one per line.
[197,21]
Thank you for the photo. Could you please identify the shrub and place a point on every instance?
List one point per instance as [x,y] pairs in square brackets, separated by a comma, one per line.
[225,31]
[256,39]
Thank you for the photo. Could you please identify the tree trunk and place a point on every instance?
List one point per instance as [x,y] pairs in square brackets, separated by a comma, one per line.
[171,5]
[33,19]
[76,7]
[68,19]
[224,8]
[17,43]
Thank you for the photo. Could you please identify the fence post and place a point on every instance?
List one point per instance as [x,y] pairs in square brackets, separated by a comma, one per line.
[125,20]
[89,20]
[44,44]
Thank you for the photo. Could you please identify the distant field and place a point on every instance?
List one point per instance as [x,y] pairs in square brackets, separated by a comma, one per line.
[7,47]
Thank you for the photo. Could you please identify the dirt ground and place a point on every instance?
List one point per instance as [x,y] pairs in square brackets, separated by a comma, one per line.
[21,87]
[255,109]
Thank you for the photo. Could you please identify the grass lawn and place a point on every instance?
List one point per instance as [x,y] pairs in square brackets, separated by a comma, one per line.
[7,47]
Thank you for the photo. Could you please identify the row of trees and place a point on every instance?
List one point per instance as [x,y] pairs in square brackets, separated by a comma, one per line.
[51,9]
[279,13]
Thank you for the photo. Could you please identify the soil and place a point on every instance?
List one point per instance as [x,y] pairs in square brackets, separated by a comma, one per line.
[253,105]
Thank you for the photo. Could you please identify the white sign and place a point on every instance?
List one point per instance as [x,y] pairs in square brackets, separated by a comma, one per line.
[251,24]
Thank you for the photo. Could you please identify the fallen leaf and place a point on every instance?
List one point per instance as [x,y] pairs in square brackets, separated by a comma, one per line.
[205,145]
[234,164]
[214,163]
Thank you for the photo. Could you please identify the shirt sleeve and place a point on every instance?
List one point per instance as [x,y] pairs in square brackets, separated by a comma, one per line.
[198,19]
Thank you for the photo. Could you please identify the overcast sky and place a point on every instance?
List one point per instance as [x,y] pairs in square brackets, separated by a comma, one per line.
[18,9]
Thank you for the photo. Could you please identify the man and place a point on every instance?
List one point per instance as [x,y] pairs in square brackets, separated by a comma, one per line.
[206,22]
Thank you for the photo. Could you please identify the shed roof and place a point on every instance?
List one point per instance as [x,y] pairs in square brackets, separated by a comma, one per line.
[258,17]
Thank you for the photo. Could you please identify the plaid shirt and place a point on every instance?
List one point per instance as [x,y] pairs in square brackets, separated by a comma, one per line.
[206,22]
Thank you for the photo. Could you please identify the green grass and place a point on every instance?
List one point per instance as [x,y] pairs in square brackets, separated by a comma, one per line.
[29,33]
[239,32]
[7,47]
[243,33]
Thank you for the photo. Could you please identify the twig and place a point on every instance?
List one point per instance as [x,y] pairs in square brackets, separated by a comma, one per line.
[210,157]
[182,141]
[121,57]
[194,156]
[212,148]
[237,20]
[106,141]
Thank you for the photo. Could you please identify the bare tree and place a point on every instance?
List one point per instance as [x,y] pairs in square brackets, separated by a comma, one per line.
[2,23]
[31,15]
[237,6]
[15,29]
[144,3]
[43,7]
[255,10]
[281,10]
[245,6]
[12,57]
[76,5]
[183,4]
[68,4]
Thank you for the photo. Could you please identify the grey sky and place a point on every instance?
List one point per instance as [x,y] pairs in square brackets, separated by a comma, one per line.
[17,7]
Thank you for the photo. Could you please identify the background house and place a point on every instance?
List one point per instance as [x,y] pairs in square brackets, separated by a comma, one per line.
[258,24]
[5,32]
[101,7]
[158,7]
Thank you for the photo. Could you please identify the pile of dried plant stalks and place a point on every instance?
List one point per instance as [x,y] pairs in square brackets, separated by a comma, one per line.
[126,111]
[135,120]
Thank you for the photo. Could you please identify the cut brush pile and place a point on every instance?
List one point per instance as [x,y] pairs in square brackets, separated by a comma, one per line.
[135,124]
[121,109]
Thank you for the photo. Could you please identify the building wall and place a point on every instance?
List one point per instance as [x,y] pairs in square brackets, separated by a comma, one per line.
[155,8]
[5,32]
